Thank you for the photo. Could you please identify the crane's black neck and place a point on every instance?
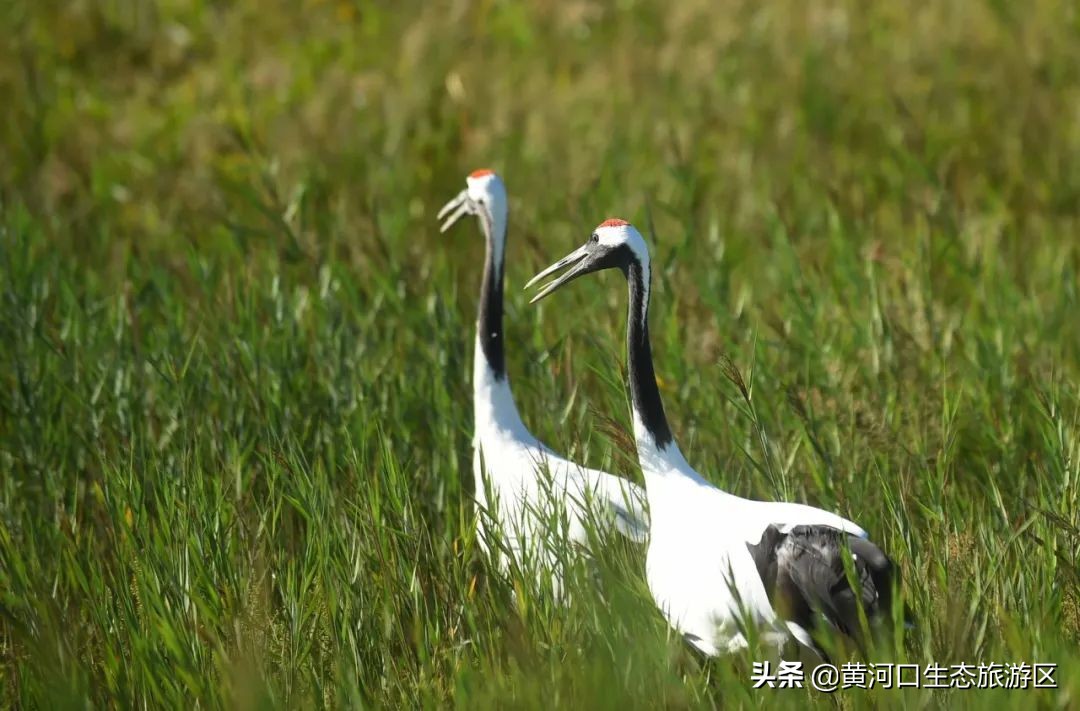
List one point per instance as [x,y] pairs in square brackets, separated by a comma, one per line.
[489,320]
[643,390]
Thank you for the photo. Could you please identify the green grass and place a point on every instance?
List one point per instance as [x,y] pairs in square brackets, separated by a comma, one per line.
[235,414]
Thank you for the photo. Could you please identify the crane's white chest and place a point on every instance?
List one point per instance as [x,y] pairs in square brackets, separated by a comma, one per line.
[704,579]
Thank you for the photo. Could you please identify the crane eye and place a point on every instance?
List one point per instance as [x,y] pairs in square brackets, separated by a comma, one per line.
[594,238]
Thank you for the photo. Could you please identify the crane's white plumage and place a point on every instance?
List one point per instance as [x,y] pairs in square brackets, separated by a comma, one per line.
[715,560]
[528,484]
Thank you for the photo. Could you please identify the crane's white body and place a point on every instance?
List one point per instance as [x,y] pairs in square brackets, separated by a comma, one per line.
[698,566]
[538,499]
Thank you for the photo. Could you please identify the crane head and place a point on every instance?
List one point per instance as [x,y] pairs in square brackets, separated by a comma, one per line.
[614,244]
[484,195]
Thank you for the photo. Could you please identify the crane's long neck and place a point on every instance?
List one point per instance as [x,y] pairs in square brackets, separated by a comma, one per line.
[657,451]
[492,398]
[489,319]
[650,421]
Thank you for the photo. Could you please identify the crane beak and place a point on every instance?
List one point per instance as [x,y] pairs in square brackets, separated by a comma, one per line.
[456,208]
[577,259]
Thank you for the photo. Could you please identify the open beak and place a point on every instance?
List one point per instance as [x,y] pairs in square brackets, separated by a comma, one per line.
[456,208]
[575,259]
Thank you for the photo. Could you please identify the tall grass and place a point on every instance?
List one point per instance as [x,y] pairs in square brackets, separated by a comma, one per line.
[235,416]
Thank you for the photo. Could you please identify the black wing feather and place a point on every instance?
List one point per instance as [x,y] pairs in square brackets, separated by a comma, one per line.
[803,572]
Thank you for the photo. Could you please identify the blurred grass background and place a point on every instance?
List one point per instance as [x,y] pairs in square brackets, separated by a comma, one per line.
[235,411]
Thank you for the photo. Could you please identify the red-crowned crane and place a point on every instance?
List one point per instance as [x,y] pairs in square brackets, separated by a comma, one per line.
[716,560]
[530,485]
